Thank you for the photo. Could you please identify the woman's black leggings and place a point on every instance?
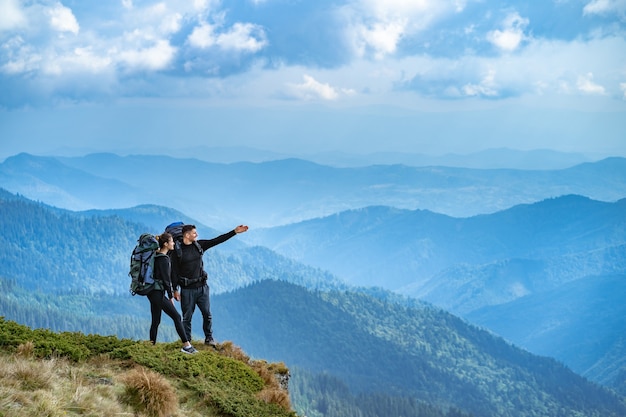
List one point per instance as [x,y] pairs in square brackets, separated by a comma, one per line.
[158,303]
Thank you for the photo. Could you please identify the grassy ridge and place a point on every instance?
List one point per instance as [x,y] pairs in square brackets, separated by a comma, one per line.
[43,373]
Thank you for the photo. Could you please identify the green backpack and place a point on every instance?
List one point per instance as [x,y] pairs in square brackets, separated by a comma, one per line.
[142,265]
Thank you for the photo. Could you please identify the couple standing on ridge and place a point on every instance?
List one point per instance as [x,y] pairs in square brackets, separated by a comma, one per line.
[184,269]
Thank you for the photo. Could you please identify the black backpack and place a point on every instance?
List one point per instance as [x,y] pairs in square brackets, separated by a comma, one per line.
[142,265]
[176,230]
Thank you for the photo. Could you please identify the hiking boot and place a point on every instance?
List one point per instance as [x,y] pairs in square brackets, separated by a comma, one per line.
[189,349]
[210,342]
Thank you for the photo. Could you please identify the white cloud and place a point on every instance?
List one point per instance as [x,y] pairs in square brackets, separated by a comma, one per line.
[200,5]
[11,15]
[486,87]
[376,27]
[160,15]
[586,85]
[312,89]
[202,36]
[156,57]
[80,60]
[244,37]
[21,57]
[381,37]
[622,87]
[605,7]
[543,68]
[416,10]
[512,34]
[160,19]
[62,19]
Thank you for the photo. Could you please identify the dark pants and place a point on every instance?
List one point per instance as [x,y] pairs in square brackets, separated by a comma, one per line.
[158,303]
[189,299]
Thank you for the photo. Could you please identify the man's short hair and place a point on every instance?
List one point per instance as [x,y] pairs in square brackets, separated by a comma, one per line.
[188,227]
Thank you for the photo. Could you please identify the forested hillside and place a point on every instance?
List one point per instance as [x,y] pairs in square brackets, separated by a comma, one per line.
[582,323]
[423,353]
[55,250]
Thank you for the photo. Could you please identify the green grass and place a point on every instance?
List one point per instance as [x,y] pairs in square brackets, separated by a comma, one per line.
[43,373]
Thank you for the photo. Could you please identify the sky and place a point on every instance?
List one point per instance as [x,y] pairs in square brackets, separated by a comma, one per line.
[303,77]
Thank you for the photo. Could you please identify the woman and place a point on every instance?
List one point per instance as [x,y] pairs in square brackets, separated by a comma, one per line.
[158,301]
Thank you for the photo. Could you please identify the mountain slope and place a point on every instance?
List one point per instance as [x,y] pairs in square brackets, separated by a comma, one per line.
[421,352]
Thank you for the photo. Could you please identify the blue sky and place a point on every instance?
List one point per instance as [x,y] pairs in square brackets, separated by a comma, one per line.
[298,77]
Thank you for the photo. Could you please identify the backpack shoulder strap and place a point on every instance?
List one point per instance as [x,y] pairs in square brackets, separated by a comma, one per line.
[178,249]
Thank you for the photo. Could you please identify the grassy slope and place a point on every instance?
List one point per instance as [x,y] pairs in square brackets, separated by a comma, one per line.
[43,373]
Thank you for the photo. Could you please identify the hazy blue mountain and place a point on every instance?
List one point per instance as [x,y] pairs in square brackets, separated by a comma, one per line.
[581,323]
[48,180]
[420,252]
[466,287]
[287,191]
[487,159]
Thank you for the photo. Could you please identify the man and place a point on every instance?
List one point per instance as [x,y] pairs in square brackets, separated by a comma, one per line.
[188,273]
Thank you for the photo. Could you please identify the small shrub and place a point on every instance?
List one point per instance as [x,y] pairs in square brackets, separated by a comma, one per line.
[273,395]
[265,373]
[232,351]
[149,393]
[273,392]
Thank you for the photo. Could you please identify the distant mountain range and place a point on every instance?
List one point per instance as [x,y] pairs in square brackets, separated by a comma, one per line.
[287,191]
[487,159]
[495,158]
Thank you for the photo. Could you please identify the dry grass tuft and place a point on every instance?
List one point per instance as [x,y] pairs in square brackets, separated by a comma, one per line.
[275,396]
[273,391]
[233,351]
[261,368]
[26,350]
[34,388]
[32,376]
[149,393]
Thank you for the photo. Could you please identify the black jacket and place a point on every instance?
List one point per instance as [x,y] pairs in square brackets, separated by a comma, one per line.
[189,264]
[162,272]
